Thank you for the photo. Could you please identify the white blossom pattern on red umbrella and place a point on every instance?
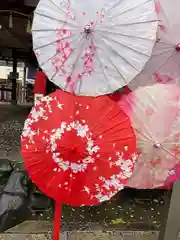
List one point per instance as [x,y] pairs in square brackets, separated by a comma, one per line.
[92,160]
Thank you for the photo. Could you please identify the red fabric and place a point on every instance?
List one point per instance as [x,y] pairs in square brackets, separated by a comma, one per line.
[78,150]
[40,83]
[119,94]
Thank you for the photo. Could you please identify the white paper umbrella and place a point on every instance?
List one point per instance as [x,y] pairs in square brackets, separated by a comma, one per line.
[164,64]
[93,47]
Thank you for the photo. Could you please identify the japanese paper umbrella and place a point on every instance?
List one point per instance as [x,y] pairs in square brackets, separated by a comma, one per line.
[93,47]
[78,150]
[164,64]
[154,112]
[174,173]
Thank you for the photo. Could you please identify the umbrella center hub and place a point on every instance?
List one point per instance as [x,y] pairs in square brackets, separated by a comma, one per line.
[178,47]
[73,148]
[87,29]
[157,145]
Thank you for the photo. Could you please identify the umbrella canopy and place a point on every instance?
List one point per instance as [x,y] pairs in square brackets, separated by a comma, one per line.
[154,112]
[83,153]
[164,64]
[83,137]
[93,47]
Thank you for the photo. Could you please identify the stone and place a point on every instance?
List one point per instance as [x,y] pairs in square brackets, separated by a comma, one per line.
[39,202]
[5,169]
[14,201]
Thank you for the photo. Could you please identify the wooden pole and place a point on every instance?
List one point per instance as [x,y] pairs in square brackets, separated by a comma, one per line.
[171,227]
[24,84]
[14,77]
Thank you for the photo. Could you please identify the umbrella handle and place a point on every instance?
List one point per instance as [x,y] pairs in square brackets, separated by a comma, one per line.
[57,217]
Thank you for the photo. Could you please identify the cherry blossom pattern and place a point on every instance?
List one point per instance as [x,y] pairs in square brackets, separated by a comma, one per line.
[104,188]
[173,175]
[61,142]
[159,78]
[83,132]
[63,50]
[158,9]
[107,188]
[38,112]
[89,60]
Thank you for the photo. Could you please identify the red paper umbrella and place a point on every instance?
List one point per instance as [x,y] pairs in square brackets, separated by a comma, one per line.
[78,150]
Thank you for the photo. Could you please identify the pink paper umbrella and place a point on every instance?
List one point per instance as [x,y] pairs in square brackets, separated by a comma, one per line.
[154,112]
[164,64]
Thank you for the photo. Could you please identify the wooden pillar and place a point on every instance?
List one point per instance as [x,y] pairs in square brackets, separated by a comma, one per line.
[14,77]
[24,83]
[171,227]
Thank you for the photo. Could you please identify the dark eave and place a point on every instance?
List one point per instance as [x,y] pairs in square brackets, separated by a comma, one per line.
[16,37]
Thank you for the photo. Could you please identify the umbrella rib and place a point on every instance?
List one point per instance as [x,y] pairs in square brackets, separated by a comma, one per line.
[112,17]
[74,64]
[121,34]
[150,96]
[104,72]
[132,23]
[166,61]
[118,71]
[149,140]
[173,134]
[44,30]
[79,40]
[122,44]
[167,151]
[158,69]
[152,138]
[50,58]
[114,5]
[120,57]
[163,52]
[55,55]
[80,81]
[114,65]
[60,8]
[162,41]
[51,43]
[164,14]
[55,19]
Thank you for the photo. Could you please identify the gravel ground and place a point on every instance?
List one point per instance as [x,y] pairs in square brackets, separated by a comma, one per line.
[11,124]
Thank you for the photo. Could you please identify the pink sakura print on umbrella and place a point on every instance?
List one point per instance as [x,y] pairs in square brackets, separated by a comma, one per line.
[107,44]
